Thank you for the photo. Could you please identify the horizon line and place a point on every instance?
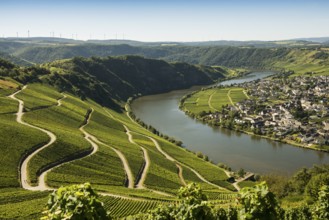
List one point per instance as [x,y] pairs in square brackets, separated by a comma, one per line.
[157,41]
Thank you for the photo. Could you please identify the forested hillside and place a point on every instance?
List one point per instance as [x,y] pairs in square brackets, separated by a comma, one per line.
[113,79]
[248,57]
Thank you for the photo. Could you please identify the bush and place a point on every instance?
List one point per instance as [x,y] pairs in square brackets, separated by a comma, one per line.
[241,172]
[193,206]
[75,202]
[258,203]
[199,154]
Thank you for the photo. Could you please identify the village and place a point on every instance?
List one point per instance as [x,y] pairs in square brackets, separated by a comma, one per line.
[293,110]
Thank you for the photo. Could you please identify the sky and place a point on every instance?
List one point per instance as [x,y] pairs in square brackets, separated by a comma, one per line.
[170,20]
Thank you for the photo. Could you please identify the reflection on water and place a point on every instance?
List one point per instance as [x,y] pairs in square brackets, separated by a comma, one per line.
[236,149]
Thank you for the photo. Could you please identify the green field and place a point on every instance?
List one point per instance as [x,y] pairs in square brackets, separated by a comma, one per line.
[212,100]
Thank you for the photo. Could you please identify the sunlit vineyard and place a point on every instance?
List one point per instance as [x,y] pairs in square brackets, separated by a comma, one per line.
[103,169]
[124,207]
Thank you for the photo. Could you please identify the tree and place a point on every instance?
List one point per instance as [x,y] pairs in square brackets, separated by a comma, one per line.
[76,202]
[258,203]
[278,184]
[300,180]
[194,204]
[241,172]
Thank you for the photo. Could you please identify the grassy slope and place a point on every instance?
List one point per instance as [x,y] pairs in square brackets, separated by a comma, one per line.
[163,174]
[38,96]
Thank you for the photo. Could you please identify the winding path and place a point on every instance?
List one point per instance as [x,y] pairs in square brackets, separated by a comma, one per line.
[180,174]
[88,137]
[246,94]
[180,169]
[209,102]
[42,186]
[168,157]
[59,101]
[124,161]
[23,169]
[164,153]
[140,184]
[229,97]
[177,162]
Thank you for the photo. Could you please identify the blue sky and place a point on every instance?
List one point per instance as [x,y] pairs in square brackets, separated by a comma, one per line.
[179,20]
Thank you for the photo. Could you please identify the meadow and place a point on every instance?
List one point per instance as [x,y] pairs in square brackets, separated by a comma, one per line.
[212,100]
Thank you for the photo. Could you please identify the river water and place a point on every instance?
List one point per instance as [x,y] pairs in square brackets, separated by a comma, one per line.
[237,150]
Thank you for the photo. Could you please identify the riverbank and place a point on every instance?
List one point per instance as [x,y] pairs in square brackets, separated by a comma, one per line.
[236,149]
[199,105]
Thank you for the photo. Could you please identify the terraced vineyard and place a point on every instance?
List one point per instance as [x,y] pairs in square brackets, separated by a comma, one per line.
[120,207]
[92,144]
[21,204]
[162,175]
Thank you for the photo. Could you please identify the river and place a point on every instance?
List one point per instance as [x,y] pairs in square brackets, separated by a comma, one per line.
[236,149]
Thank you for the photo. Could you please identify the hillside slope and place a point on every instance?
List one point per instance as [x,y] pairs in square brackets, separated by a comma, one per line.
[52,138]
[111,80]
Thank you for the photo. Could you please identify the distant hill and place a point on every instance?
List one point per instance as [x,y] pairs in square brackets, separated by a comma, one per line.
[41,40]
[266,55]
[15,60]
[315,39]
[211,55]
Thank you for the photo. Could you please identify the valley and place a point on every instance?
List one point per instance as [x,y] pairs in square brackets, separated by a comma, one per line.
[73,121]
